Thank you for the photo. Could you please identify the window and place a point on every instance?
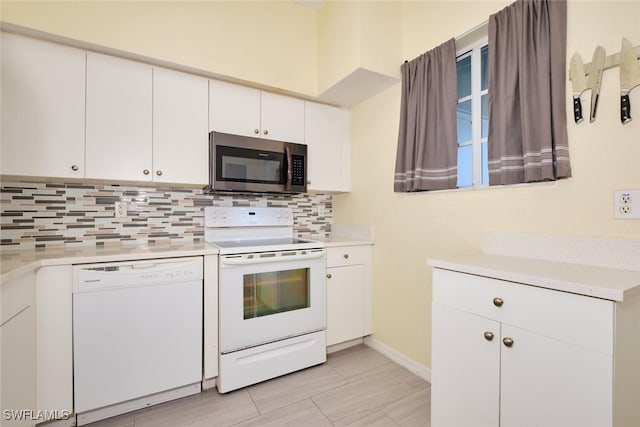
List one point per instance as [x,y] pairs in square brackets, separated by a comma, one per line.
[473,116]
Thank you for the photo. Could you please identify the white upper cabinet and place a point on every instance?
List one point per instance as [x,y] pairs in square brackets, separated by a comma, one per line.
[282,118]
[180,128]
[327,138]
[234,109]
[43,96]
[246,111]
[119,114]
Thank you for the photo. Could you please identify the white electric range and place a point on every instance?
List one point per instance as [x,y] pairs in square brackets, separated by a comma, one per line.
[272,295]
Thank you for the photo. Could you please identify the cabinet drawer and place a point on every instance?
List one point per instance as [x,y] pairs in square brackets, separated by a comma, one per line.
[348,255]
[576,319]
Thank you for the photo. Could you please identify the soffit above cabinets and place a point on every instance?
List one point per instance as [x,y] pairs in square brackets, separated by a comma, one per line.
[356,87]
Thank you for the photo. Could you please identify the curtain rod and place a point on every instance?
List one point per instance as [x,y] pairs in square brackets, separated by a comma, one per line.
[467,33]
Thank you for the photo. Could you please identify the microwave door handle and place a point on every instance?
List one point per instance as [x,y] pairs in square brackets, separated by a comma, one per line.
[287,151]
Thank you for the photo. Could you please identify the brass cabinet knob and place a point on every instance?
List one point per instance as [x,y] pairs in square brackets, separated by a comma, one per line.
[308,182]
[266,132]
[159,172]
[346,256]
[498,302]
[329,276]
[488,336]
[74,168]
[507,342]
[146,171]
[256,131]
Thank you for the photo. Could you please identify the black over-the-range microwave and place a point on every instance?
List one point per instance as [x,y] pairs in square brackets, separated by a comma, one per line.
[255,165]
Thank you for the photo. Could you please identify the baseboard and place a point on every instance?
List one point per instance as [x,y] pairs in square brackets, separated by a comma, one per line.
[341,346]
[402,360]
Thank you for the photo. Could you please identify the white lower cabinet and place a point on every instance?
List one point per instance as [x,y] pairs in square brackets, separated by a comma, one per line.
[36,359]
[512,355]
[54,385]
[348,293]
[17,349]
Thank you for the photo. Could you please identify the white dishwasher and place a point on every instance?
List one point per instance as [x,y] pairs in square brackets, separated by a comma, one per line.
[137,334]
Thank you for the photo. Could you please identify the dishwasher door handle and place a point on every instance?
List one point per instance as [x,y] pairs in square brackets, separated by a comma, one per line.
[93,277]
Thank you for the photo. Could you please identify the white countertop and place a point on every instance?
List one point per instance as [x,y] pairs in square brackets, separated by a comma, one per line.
[18,261]
[335,241]
[14,262]
[595,281]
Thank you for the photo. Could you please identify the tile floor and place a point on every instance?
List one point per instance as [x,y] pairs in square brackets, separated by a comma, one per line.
[356,387]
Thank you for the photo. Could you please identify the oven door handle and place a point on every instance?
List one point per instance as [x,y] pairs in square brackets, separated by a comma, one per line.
[266,258]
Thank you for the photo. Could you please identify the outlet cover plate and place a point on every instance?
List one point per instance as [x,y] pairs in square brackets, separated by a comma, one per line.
[120,210]
[626,204]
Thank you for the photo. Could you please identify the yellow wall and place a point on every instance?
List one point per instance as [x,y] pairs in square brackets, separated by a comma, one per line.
[355,35]
[275,44]
[270,43]
[411,228]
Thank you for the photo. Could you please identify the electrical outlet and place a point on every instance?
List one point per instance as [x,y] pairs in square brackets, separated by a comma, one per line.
[626,204]
[121,210]
[322,210]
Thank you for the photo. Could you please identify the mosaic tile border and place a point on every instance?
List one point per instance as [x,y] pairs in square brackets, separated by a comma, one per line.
[56,214]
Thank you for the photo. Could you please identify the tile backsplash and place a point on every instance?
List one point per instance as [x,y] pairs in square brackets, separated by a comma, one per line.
[58,214]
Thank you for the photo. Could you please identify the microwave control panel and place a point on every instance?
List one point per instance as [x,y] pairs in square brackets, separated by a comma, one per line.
[297,170]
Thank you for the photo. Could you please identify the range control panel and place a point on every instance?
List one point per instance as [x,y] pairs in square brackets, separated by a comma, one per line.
[247,217]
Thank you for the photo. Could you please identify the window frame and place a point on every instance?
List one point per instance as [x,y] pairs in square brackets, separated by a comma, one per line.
[473,49]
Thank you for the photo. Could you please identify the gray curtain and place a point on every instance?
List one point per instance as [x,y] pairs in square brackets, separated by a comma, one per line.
[427,147]
[528,122]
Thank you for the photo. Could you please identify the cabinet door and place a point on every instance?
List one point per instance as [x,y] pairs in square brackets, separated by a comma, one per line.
[323,136]
[234,109]
[345,303]
[18,385]
[42,108]
[547,382]
[180,128]
[282,118]
[54,327]
[118,142]
[465,369]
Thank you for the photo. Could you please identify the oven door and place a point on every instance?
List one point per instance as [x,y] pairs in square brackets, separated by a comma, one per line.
[268,296]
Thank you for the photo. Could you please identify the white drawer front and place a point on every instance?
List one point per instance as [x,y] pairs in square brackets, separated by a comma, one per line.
[576,319]
[348,255]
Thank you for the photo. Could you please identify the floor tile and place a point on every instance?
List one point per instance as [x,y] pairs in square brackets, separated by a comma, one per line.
[356,360]
[125,420]
[405,376]
[357,399]
[208,408]
[357,387]
[412,411]
[377,419]
[304,413]
[294,387]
